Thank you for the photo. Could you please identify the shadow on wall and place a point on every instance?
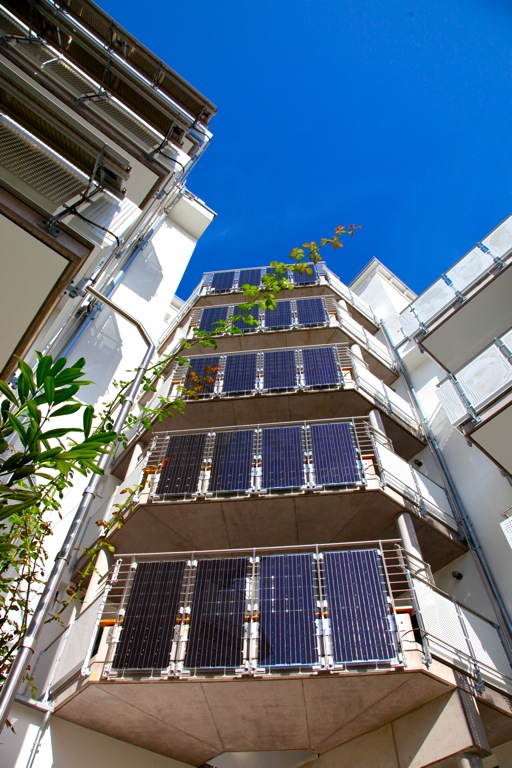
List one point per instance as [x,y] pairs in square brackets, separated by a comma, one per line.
[101,345]
[145,274]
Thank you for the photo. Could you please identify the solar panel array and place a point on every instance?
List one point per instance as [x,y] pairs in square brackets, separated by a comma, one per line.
[280,317]
[209,607]
[334,454]
[320,366]
[358,607]
[202,374]
[222,281]
[249,277]
[311,311]
[287,611]
[210,316]
[279,369]
[240,323]
[282,457]
[185,454]
[233,456]
[240,373]
[302,278]
[217,616]
[145,642]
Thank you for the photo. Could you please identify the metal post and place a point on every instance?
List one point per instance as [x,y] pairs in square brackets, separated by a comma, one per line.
[470,761]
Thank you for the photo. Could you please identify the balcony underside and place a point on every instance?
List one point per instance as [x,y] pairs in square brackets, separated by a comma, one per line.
[492,434]
[292,406]
[193,720]
[281,520]
[465,329]
[299,292]
[299,337]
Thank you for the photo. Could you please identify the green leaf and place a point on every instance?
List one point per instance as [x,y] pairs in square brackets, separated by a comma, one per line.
[18,428]
[59,365]
[11,509]
[43,369]
[58,432]
[66,394]
[26,370]
[88,417]
[49,388]
[34,412]
[8,393]
[67,410]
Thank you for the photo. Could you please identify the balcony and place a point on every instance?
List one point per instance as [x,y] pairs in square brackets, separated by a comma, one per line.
[277,485]
[478,399]
[466,308]
[278,384]
[307,647]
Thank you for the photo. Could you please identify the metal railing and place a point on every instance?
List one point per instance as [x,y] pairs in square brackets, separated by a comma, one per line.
[484,261]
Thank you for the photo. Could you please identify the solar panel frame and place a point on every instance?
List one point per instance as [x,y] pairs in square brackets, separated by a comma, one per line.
[240,373]
[250,277]
[222,281]
[215,637]
[280,369]
[321,367]
[311,311]
[211,315]
[282,456]
[358,608]
[302,278]
[150,617]
[287,607]
[184,463]
[198,366]
[334,451]
[280,317]
[232,462]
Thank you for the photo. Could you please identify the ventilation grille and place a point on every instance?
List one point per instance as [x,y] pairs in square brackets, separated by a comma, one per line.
[125,122]
[9,27]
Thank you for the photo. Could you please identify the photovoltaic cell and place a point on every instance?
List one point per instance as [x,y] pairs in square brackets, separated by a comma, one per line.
[146,637]
[311,312]
[210,316]
[279,369]
[223,281]
[334,454]
[232,461]
[249,277]
[217,616]
[287,611]
[305,279]
[358,608]
[280,317]
[185,455]
[240,323]
[320,366]
[201,375]
[282,457]
[240,373]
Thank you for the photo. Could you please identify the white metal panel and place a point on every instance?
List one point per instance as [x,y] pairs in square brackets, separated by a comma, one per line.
[409,322]
[485,642]
[433,494]
[77,644]
[435,299]
[500,241]
[451,402]
[441,622]
[507,339]
[506,527]
[485,376]
[396,468]
[108,213]
[475,264]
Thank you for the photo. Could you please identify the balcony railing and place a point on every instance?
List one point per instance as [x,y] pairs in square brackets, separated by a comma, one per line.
[486,379]
[270,612]
[454,287]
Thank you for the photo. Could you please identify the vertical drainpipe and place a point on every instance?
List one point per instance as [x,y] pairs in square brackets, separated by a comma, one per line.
[27,646]
[467,526]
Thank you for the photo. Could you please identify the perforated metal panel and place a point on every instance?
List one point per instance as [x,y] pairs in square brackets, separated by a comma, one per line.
[280,370]
[232,461]
[358,607]
[280,317]
[334,454]
[150,617]
[240,373]
[217,616]
[184,461]
[320,367]
[282,457]
[287,611]
[210,316]
[222,281]
[311,311]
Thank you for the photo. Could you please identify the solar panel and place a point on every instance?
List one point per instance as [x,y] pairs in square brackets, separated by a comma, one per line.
[282,457]
[240,323]
[358,607]
[320,367]
[302,278]
[217,616]
[249,277]
[223,281]
[287,611]
[210,316]
[311,312]
[201,375]
[184,462]
[232,461]
[279,369]
[146,637]
[280,317]
[334,454]
[240,373]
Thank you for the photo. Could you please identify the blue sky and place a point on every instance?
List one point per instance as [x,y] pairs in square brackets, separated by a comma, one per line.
[392,114]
